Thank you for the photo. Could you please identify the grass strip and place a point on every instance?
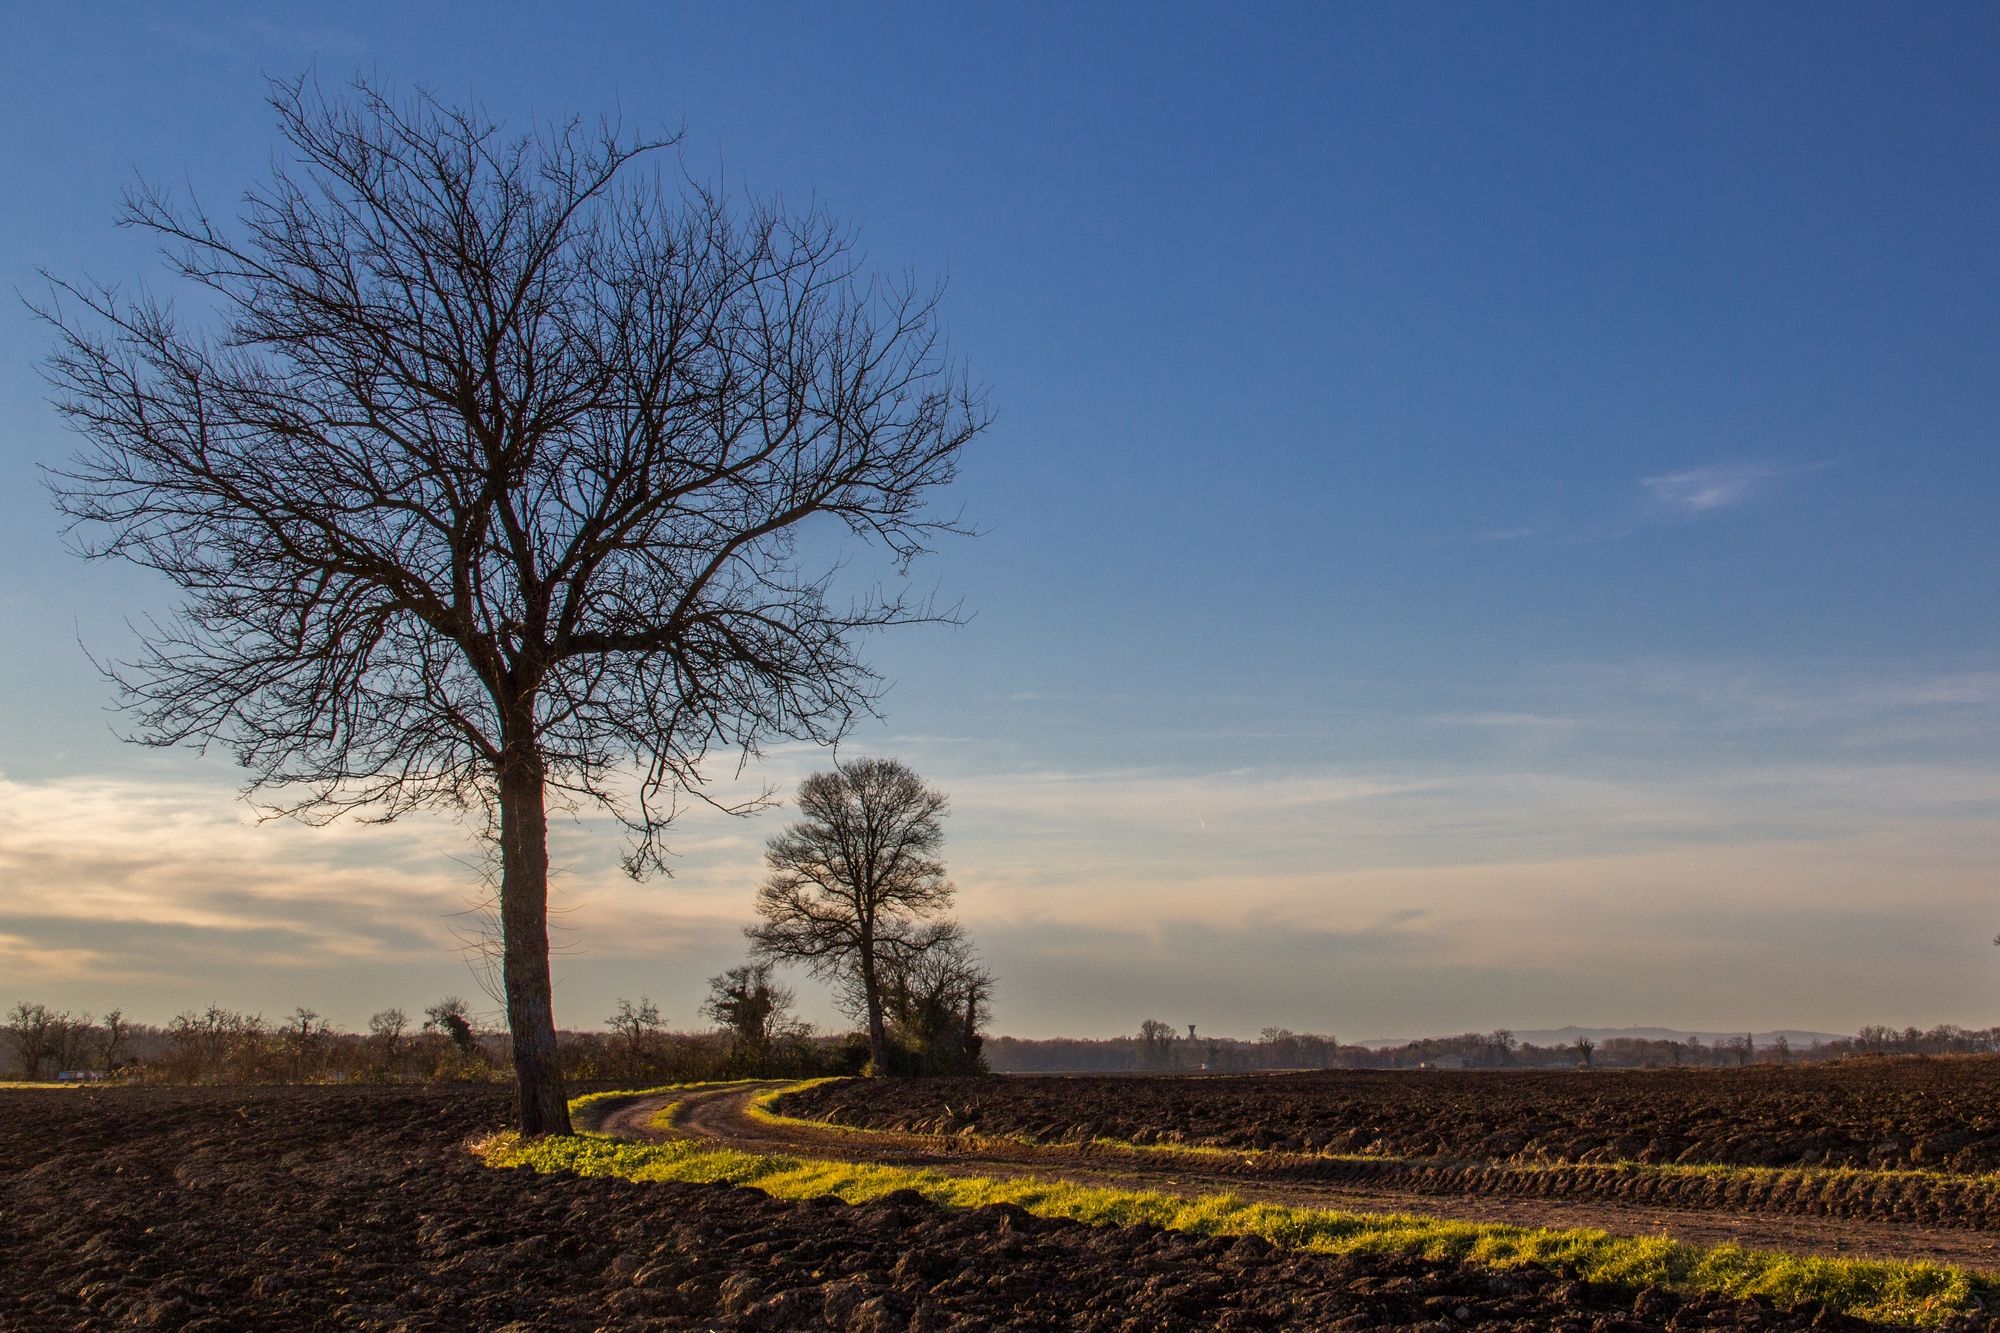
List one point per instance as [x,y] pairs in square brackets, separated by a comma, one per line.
[590,1101]
[1883,1290]
[25,1085]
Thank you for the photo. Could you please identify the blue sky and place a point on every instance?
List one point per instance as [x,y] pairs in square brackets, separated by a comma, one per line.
[1491,517]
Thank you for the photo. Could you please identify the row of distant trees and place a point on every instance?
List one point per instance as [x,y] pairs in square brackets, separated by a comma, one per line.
[757,1032]
[1945,1039]
[450,1043]
[219,1045]
[1160,1047]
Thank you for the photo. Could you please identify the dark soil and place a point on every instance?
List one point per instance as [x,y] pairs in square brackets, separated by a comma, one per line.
[360,1208]
[1939,1115]
[1897,1215]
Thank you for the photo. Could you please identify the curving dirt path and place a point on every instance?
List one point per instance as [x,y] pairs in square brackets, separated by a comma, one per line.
[721,1116]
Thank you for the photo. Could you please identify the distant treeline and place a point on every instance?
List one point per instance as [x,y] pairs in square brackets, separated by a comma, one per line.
[1158,1048]
[928,1009]
[449,1043]
[219,1045]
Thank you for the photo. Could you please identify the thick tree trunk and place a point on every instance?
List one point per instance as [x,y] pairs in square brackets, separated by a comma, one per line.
[524,922]
[878,1033]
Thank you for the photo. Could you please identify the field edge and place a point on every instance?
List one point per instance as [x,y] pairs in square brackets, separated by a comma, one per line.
[1886,1291]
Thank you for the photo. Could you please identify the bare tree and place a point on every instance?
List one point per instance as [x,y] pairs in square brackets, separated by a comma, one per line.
[385,1039]
[486,486]
[116,1032]
[853,882]
[1156,1043]
[752,1006]
[31,1026]
[637,1029]
[304,1036]
[59,1040]
[216,1045]
[935,993]
[453,1017]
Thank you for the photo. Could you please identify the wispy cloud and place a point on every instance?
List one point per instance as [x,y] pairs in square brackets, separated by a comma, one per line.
[158,894]
[1667,497]
[1725,701]
[1504,721]
[1717,486]
[1688,930]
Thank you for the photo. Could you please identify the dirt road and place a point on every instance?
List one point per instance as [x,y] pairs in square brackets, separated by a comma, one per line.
[721,1116]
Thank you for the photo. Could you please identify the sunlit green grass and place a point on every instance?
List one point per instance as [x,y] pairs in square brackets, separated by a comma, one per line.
[590,1101]
[1873,1289]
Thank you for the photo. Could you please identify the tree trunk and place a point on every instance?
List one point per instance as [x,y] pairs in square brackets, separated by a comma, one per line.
[539,1103]
[878,1034]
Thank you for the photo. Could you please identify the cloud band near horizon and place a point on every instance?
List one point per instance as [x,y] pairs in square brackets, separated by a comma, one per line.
[1538,879]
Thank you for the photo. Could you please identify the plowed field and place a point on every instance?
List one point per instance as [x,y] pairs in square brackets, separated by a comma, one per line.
[1933,1115]
[360,1208]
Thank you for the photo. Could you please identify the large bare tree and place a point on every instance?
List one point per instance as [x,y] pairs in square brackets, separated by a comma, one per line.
[484,484]
[856,881]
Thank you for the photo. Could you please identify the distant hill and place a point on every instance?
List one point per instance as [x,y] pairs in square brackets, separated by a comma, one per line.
[1567,1036]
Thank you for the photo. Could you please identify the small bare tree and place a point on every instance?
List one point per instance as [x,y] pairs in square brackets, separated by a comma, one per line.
[116,1032]
[753,1007]
[854,881]
[935,992]
[385,1040]
[32,1028]
[636,1029]
[1156,1043]
[304,1037]
[217,1045]
[453,1017]
[52,1039]
[486,487]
